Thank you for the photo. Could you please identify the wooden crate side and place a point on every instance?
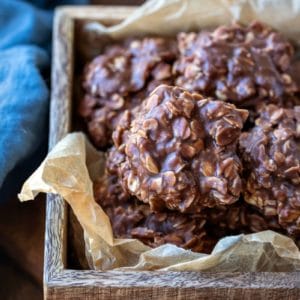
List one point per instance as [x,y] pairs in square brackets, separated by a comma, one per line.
[60,124]
[72,284]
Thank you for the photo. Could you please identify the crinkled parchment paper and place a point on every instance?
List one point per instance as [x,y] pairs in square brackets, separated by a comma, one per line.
[165,17]
[69,170]
[73,164]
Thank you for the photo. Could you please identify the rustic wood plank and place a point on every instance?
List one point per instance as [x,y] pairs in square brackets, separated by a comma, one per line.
[160,279]
[61,283]
[60,125]
[175,285]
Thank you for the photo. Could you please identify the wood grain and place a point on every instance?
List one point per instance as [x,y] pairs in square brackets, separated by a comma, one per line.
[176,285]
[62,283]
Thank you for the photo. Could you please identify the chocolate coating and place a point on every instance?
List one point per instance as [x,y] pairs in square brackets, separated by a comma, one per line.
[242,65]
[110,73]
[132,219]
[120,79]
[123,68]
[198,232]
[179,151]
[239,217]
[271,155]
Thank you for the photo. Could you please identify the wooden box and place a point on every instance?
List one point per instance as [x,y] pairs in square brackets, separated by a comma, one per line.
[63,283]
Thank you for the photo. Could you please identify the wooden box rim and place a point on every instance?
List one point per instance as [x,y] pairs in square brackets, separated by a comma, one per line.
[62,283]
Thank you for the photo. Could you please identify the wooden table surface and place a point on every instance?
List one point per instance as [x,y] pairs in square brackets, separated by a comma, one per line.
[21,249]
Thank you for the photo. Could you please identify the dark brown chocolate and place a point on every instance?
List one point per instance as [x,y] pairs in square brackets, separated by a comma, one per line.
[237,218]
[121,78]
[123,69]
[271,155]
[179,151]
[132,219]
[198,232]
[242,65]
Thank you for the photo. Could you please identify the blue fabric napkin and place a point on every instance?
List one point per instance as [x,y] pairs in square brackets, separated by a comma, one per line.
[25,42]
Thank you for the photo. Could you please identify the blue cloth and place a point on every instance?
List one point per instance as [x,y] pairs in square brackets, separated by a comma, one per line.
[25,42]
